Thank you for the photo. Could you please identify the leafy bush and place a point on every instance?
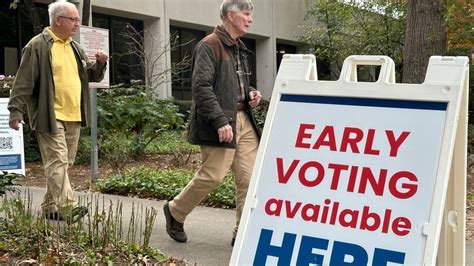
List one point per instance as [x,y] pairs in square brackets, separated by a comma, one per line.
[134,112]
[6,84]
[260,112]
[84,148]
[164,184]
[174,143]
[7,180]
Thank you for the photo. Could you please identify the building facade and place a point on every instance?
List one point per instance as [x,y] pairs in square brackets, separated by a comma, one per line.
[275,31]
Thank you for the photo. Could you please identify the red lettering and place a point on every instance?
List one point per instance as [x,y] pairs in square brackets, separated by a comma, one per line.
[291,212]
[352,214]
[364,221]
[349,140]
[315,212]
[411,188]
[395,142]
[386,221]
[283,177]
[326,138]
[370,142]
[324,216]
[303,135]
[401,226]
[377,186]
[319,175]
[337,173]
[273,207]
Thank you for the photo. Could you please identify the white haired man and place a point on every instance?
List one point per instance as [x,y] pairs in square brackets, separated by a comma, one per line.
[221,121]
[51,85]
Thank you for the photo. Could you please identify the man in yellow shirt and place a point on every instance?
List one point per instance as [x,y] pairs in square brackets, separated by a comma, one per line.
[51,85]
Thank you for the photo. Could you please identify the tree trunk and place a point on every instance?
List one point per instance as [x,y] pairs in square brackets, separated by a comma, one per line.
[30,8]
[86,12]
[425,36]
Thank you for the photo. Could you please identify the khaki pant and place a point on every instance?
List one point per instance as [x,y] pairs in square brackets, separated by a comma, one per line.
[58,152]
[216,162]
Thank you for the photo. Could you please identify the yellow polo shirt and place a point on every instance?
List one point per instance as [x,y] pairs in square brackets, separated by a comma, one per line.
[67,95]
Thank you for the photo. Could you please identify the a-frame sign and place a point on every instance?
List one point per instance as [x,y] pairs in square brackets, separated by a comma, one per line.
[359,173]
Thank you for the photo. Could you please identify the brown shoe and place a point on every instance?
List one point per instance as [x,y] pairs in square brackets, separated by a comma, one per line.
[174,228]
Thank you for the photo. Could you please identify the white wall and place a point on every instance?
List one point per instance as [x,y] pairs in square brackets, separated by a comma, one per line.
[273,19]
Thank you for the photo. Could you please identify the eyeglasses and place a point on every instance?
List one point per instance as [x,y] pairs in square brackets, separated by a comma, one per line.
[73,20]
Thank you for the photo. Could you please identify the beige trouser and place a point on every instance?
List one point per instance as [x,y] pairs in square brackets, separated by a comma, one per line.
[216,162]
[58,152]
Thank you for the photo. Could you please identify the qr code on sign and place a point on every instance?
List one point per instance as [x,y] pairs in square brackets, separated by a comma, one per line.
[6,143]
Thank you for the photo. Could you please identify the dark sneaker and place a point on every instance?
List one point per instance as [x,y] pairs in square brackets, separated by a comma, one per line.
[72,216]
[174,228]
[53,216]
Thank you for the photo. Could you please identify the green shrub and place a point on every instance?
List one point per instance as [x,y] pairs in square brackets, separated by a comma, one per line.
[260,113]
[7,180]
[164,184]
[134,112]
[97,239]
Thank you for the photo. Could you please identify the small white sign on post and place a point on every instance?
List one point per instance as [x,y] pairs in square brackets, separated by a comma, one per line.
[12,154]
[93,39]
[354,172]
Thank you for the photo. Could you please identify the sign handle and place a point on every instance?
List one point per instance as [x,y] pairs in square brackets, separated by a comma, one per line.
[349,68]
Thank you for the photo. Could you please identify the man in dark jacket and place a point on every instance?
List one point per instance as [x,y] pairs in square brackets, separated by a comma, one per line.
[221,121]
[51,85]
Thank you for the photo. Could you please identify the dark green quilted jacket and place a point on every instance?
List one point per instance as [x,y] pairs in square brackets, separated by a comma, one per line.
[214,88]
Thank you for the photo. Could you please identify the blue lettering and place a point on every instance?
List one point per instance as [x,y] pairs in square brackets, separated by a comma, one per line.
[264,249]
[306,255]
[342,253]
[382,256]
[341,249]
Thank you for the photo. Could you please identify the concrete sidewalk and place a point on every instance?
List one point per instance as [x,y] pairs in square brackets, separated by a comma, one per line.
[209,230]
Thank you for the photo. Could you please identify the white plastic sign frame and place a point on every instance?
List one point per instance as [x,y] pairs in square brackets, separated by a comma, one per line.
[355,172]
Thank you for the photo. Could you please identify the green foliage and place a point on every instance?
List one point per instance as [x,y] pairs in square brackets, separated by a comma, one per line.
[339,29]
[169,142]
[6,84]
[470,138]
[164,184]
[84,148]
[7,180]
[134,113]
[97,239]
[175,144]
[260,113]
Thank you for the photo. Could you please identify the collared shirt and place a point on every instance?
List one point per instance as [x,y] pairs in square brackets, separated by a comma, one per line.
[67,84]
[240,76]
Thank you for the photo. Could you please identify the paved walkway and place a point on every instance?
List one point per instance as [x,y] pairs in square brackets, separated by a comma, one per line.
[209,230]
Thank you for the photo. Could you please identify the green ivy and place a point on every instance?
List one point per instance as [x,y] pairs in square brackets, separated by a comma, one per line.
[164,184]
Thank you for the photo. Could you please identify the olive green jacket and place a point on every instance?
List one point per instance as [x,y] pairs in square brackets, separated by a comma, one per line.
[214,88]
[33,88]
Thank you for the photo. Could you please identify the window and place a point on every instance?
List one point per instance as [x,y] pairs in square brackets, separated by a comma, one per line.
[185,41]
[281,50]
[16,26]
[124,65]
